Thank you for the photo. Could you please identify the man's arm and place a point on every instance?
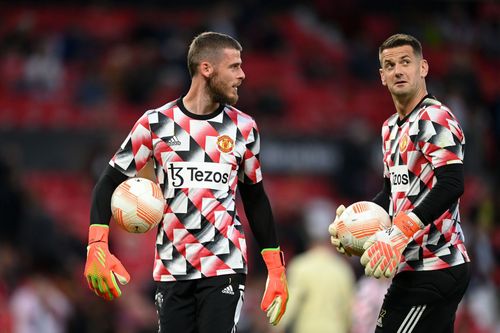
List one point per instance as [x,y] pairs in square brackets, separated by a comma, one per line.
[383,197]
[259,214]
[260,217]
[100,209]
[448,188]
[102,269]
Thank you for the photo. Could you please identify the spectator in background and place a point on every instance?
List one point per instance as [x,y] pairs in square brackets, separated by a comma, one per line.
[367,302]
[44,69]
[321,282]
[39,306]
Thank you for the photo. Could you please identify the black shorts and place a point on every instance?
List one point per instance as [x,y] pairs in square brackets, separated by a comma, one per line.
[207,305]
[424,301]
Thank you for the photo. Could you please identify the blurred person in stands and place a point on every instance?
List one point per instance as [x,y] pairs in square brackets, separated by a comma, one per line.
[39,306]
[203,149]
[44,70]
[321,282]
[367,302]
[424,250]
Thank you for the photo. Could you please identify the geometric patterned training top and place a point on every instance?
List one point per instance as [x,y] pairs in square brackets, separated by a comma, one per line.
[198,163]
[428,138]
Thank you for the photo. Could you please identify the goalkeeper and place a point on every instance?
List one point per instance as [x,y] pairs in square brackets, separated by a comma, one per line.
[203,150]
[423,251]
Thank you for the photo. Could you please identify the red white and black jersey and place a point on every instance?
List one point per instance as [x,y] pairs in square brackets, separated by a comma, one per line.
[199,161]
[428,138]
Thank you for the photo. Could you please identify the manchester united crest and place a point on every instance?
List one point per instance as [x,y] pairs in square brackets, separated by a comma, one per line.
[403,144]
[225,144]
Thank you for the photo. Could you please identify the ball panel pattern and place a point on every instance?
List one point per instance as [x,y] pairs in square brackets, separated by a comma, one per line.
[137,205]
[358,222]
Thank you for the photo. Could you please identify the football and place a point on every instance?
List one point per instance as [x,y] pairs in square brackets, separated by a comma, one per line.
[137,205]
[358,222]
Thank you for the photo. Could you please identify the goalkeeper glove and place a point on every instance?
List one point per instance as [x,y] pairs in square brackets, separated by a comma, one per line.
[276,293]
[333,230]
[102,267]
[383,250]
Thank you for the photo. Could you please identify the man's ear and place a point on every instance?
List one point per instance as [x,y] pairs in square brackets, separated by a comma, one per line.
[382,76]
[424,68]
[206,69]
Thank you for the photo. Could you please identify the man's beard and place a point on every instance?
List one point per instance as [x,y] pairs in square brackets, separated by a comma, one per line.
[215,88]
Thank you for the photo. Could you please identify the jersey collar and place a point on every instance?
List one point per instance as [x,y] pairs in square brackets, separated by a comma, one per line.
[426,100]
[214,114]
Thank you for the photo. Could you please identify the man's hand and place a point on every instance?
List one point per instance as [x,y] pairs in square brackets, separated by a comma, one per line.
[383,250]
[332,229]
[102,268]
[276,293]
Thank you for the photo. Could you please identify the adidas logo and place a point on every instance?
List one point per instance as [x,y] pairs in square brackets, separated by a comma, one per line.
[381,317]
[228,290]
[379,322]
[174,141]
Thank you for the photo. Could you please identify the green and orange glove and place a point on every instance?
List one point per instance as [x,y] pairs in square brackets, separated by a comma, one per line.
[276,293]
[383,250]
[102,268]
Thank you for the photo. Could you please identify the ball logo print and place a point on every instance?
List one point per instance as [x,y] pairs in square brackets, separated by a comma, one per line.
[358,222]
[137,205]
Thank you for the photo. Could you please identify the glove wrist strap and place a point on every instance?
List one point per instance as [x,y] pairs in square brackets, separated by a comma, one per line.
[409,224]
[273,258]
[98,233]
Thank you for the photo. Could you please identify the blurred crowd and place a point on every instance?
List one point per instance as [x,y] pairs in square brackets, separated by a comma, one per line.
[76,77]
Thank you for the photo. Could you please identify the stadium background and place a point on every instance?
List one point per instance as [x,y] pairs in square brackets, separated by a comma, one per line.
[75,77]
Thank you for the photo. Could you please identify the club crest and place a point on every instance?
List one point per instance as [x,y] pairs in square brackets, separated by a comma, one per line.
[403,144]
[225,144]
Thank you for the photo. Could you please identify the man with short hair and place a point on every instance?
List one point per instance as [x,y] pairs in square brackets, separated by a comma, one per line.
[424,250]
[203,150]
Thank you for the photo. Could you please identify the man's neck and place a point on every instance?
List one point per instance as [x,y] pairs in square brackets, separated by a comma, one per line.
[404,106]
[197,101]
